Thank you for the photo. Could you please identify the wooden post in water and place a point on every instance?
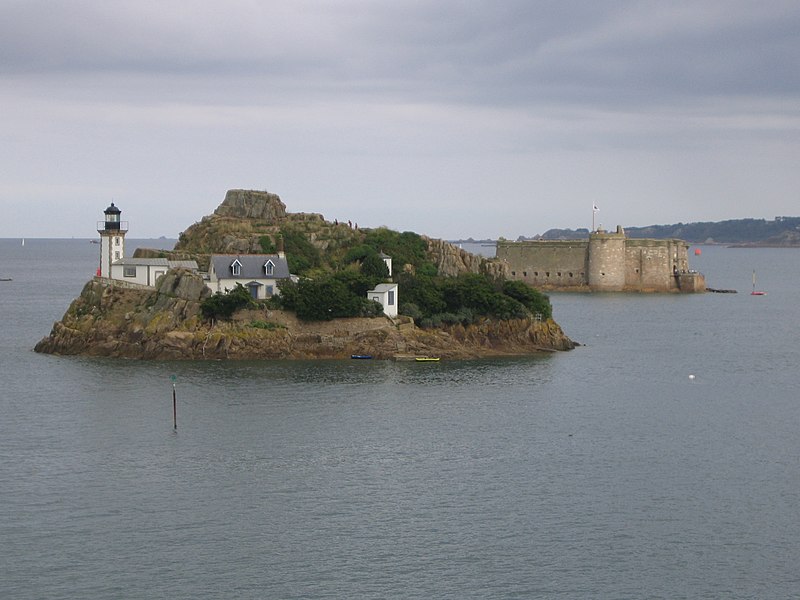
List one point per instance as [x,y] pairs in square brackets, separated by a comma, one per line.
[174,409]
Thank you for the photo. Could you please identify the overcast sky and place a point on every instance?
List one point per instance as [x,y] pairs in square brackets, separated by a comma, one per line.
[448,118]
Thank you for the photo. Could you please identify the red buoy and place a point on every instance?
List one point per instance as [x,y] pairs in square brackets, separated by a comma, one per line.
[697,252]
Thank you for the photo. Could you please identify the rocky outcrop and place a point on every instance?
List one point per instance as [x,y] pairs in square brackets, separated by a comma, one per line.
[247,219]
[251,204]
[108,320]
[450,260]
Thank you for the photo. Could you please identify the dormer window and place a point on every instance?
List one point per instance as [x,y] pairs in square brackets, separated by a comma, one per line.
[269,267]
[236,268]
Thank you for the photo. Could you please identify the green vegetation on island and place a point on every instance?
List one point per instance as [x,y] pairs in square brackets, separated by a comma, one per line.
[336,286]
[337,263]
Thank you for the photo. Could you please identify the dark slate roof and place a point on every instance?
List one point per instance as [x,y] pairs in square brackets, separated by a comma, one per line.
[143,262]
[252,266]
[157,262]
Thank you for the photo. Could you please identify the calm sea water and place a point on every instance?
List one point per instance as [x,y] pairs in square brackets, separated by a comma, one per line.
[605,472]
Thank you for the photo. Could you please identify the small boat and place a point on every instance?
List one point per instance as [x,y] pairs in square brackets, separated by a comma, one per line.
[361,356]
[756,292]
[6,279]
[427,359]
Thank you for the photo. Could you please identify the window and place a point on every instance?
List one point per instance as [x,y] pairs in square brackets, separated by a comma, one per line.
[390,301]
[269,268]
[116,241]
[128,271]
[236,268]
[270,290]
[116,255]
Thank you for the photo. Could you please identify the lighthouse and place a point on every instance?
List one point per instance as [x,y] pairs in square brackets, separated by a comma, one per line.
[112,239]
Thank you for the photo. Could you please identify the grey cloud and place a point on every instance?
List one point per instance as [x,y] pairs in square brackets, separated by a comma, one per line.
[508,53]
[656,107]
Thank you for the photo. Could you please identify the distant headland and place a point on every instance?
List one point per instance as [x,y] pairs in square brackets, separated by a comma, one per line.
[779,232]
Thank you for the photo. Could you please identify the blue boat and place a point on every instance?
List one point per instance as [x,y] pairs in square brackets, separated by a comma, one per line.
[361,356]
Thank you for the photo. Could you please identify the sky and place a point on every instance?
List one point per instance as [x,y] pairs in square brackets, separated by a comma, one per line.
[449,118]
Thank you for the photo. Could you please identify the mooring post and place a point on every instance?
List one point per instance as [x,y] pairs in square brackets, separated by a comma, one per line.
[174,405]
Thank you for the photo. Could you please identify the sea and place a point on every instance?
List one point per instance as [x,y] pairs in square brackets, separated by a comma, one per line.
[659,459]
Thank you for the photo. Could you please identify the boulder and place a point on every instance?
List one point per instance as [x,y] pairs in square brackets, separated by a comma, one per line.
[251,204]
[183,284]
[451,261]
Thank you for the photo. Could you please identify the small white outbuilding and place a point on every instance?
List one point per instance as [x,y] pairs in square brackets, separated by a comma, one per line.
[386,295]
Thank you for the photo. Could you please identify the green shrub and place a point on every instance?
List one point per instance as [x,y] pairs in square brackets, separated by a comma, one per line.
[355,280]
[423,292]
[267,245]
[301,254]
[534,300]
[222,305]
[410,309]
[323,300]
[433,301]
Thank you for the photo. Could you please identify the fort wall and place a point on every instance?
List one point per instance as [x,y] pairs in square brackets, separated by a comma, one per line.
[547,264]
[607,262]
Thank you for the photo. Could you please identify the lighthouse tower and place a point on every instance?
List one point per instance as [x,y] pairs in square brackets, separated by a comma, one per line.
[112,239]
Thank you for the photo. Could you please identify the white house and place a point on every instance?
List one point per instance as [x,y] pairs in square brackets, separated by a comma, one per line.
[114,265]
[146,271]
[386,294]
[259,273]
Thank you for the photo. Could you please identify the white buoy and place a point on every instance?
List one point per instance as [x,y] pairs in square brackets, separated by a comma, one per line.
[691,376]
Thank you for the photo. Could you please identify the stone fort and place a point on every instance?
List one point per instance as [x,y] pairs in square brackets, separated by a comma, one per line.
[605,262]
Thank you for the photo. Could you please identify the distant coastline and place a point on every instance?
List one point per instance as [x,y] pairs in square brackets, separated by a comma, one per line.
[780,232]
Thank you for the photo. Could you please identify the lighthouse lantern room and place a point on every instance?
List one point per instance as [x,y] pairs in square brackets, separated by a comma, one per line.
[112,239]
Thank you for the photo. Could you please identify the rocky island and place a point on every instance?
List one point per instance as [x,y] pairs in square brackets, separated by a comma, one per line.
[170,319]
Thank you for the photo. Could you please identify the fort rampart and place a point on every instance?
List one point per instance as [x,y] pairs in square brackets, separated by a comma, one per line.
[605,262]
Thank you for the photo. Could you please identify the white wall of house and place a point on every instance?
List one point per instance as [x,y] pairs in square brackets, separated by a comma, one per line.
[141,274]
[386,295]
[259,273]
[266,289]
[146,271]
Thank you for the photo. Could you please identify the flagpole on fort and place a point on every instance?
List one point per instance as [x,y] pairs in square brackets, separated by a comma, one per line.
[594,212]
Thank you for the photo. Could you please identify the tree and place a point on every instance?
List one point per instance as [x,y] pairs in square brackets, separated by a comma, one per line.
[374,267]
[326,299]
